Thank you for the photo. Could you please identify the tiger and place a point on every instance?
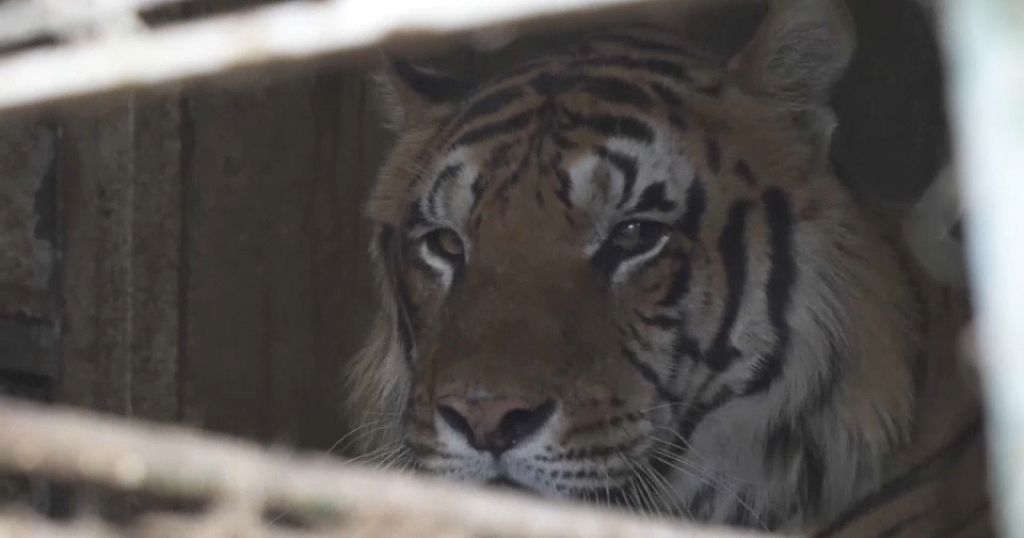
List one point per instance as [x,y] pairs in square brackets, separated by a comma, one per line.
[626,273]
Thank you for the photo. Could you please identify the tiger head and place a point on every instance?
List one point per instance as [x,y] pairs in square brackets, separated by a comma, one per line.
[626,272]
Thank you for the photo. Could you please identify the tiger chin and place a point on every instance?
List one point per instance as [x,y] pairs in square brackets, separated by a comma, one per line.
[626,273]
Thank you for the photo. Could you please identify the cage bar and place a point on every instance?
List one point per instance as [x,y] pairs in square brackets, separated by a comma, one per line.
[243,480]
[985,49]
[118,58]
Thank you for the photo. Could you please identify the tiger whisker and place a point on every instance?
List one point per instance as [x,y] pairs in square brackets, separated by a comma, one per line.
[669,495]
[643,492]
[667,452]
[720,487]
[359,432]
[376,455]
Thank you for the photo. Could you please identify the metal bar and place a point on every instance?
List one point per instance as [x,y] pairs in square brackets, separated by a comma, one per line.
[286,32]
[985,47]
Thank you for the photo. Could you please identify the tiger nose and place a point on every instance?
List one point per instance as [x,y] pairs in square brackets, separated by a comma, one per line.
[494,424]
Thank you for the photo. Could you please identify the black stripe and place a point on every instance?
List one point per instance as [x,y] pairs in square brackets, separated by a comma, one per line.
[697,413]
[742,515]
[827,385]
[696,205]
[498,158]
[549,85]
[812,476]
[449,173]
[653,198]
[477,190]
[490,103]
[564,190]
[663,68]
[701,501]
[612,126]
[744,172]
[693,415]
[713,89]
[779,289]
[561,141]
[666,94]
[661,321]
[929,468]
[507,125]
[732,248]
[679,122]
[616,90]
[415,217]
[514,176]
[432,86]
[713,154]
[691,418]
[781,445]
[626,165]
[522,69]
[649,375]
[683,346]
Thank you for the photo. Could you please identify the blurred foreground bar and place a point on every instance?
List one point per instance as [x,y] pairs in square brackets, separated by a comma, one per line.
[985,47]
[240,483]
[105,45]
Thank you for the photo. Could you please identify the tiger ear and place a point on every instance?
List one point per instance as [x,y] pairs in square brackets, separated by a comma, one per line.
[411,92]
[799,52]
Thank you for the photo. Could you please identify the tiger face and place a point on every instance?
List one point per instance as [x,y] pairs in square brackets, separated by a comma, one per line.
[625,273]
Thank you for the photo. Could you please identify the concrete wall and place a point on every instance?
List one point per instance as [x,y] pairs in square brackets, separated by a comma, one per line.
[28,354]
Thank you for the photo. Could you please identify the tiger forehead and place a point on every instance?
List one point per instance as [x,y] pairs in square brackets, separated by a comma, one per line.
[590,178]
[622,117]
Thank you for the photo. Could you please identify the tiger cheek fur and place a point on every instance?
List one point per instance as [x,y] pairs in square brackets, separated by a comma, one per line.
[627,274]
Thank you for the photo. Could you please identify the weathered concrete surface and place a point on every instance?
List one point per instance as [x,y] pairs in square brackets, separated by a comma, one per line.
[27,153]
[28,223]
[279,285]
[28,354]
[120,187]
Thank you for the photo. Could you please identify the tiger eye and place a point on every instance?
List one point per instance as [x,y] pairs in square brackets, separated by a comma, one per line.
[628,236]
[446,243]
[637,236]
